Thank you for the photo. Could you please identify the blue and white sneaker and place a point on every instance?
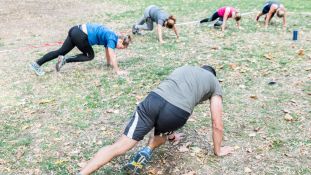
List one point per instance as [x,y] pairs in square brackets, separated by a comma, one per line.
[139,161]
[36,68]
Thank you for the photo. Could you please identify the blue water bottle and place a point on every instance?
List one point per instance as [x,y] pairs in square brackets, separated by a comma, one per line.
[295,35]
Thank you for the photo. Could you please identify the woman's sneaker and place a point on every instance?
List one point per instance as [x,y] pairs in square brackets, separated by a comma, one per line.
[37,69]
[60,63]
[139,161]
[134,30]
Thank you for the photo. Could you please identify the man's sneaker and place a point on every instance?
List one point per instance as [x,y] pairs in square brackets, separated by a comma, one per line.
[139,161]
[60,63]
[35,67]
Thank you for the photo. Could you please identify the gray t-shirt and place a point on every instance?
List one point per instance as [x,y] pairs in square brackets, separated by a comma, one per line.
[158,15]
[187,86]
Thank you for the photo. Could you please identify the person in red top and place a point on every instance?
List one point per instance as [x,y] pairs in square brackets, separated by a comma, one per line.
[224,13]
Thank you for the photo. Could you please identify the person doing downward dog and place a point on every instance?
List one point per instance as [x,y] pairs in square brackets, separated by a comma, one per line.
[160,17]
[269,9]
[84,37]
[166,109]
[223,14]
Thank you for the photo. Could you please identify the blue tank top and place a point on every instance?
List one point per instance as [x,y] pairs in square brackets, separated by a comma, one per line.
[101,35]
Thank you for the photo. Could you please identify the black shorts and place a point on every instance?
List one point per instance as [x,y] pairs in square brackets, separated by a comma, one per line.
[266,8]
[155,112]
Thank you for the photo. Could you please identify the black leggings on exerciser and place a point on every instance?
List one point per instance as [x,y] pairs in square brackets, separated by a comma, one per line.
[213,18]
[76,37]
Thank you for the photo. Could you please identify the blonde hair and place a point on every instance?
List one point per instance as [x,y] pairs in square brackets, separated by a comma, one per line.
[280,13]
[237,16]
[171,21]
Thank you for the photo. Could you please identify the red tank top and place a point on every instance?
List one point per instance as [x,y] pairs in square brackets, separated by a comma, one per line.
[222,10]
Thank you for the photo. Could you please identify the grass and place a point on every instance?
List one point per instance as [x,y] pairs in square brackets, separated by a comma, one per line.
[50,124]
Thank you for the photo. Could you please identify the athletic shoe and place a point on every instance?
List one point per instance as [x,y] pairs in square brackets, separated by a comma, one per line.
[134,30]
[218,23]
[38,70]
[139,161]
[60,63]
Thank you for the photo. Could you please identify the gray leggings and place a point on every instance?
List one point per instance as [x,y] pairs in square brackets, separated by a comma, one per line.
[145,22]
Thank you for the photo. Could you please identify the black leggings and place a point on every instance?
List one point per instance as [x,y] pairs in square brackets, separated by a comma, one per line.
[213,18]
[76,37]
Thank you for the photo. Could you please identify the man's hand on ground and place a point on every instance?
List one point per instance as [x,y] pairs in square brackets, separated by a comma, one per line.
[122,72]
[225,151]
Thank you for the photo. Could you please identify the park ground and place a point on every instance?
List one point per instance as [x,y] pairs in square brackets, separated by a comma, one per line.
[53,124]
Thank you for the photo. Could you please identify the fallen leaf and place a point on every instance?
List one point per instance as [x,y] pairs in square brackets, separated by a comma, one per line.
[183,149]
[288,117]
[44,101]
[257,129]
[196,149]
[247,170]
[191,120]
[25,127]
[99,142]
[285,111]
[97,83]
[190,173]
[82,164]
[301,52]
[236,147]
[215,47]
[233,66]
[258,157]
[252,134]
[112,111]
[2,161]
[268,56]
[152,171]
[139,97]
[253,97]
[20,153]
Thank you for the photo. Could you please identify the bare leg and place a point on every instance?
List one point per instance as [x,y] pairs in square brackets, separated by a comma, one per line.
[107,153]
[258,16]
[156,141]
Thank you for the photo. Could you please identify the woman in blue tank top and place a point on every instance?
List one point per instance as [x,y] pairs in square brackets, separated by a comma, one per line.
[84,37]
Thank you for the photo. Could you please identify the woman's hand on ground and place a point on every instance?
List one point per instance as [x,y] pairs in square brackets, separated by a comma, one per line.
[122,72]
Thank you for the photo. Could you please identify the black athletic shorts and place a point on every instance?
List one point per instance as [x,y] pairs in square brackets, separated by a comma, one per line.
[266,8]
[155,112]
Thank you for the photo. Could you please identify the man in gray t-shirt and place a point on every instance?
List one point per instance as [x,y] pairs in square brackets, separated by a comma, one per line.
[166,109]
[160,17]
[187,86]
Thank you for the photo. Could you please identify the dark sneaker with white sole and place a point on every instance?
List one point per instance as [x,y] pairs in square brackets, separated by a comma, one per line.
[60,63]
[139,161]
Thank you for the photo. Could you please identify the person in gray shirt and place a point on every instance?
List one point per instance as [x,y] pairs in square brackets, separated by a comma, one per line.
[160,17]
[166,109]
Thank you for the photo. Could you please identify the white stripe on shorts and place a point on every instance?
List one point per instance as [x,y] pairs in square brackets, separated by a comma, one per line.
[133,127]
